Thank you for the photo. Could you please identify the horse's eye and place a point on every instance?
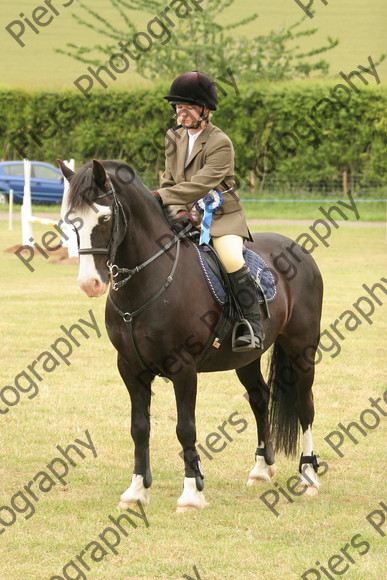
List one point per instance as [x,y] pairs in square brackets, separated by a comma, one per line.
[105,219]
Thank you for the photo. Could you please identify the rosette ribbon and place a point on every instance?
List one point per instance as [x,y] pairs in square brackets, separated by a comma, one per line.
[208,204]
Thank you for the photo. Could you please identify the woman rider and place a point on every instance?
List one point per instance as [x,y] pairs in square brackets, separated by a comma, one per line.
[200,157]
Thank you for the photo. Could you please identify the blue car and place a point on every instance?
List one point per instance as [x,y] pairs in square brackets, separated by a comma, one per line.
[46,182]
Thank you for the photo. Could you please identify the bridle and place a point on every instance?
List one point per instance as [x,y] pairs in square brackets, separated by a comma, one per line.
[119,229]
[120,224]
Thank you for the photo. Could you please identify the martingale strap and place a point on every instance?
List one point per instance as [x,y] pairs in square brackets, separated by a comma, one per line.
[116,270]
[129,316]
[118,232]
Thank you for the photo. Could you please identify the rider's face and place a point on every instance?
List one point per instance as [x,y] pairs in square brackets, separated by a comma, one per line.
[188,115]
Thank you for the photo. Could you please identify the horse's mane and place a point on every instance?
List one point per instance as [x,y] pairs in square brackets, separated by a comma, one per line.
[84,190]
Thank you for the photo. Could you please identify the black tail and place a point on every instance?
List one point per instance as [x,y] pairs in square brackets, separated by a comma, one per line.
[283,395]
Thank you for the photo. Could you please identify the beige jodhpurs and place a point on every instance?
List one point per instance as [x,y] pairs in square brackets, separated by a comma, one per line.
[230,251]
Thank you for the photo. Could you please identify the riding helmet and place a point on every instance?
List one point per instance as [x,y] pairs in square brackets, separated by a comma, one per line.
[193,88]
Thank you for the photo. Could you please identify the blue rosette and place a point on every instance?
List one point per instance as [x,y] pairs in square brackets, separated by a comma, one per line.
[208,204]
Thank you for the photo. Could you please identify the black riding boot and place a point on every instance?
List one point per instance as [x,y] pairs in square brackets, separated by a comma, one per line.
[245,292]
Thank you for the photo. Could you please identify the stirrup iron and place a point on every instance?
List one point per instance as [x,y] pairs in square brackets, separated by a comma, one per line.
[254,343]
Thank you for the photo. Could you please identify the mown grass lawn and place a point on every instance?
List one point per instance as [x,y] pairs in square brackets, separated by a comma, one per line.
[237,537]
[281,205]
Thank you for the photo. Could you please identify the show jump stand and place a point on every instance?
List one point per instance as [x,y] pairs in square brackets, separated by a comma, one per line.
[69,239]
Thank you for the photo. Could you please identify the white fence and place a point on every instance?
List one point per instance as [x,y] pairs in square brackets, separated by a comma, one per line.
[69,239]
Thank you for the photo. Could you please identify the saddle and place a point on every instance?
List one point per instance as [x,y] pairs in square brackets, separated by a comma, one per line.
[219,286]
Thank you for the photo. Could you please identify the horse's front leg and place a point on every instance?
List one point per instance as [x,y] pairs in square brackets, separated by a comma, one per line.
[140,394]
[185,385]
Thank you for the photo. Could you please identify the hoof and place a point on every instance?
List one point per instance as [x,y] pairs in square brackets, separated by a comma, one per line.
[123,505]
[186,509]
[308,483]
[261,472]
[257,479]
[135,492]
[309,490]
[191,498]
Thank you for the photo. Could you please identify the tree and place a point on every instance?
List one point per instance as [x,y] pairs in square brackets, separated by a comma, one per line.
[183,37]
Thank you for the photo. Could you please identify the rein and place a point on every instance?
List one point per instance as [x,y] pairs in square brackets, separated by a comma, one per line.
[128,317]
[114,270]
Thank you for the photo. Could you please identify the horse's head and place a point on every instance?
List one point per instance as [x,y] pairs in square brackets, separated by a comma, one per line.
[99,220]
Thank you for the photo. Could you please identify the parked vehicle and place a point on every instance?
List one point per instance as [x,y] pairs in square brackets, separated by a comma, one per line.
[46,182]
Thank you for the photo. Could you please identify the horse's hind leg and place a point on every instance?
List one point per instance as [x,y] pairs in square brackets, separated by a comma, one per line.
[258,397]
[301,357]
[140,394]
[305,408]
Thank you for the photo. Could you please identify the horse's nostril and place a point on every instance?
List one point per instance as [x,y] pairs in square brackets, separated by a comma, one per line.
[93,287]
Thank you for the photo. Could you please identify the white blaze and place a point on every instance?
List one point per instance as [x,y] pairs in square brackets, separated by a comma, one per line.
[89,278]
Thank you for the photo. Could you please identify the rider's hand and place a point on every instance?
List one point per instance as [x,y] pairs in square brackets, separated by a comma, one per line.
[157,196]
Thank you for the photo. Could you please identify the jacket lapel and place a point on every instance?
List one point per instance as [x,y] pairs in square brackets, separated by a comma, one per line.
[181,153]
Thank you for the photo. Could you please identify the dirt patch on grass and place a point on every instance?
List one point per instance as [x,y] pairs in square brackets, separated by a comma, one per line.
[58,256]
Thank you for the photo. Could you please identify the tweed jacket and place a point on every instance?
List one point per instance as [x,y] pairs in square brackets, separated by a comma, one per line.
[210,166]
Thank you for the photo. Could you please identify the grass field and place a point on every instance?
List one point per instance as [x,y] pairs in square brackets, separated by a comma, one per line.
[237,537]
[277,206]
[360,27]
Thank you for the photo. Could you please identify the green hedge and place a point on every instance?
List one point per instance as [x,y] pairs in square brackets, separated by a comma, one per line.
[272,128]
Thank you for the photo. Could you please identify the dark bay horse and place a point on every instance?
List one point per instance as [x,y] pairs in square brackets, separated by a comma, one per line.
[157,317]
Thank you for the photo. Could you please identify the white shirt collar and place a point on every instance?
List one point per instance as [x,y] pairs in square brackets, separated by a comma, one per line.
[191,142]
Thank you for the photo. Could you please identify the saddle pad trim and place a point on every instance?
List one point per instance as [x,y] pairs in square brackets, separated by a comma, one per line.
[205,269]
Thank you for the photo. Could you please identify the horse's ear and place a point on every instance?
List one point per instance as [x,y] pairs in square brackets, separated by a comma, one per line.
[99,172]
[66,171]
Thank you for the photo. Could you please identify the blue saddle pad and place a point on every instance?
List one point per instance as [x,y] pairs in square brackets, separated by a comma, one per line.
[258,268]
